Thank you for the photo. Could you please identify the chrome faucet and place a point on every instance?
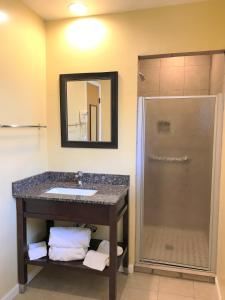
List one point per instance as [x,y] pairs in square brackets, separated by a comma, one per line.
[78,178]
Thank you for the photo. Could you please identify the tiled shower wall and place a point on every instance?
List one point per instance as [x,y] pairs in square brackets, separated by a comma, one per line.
[217,74]
[190,135]
[181,76]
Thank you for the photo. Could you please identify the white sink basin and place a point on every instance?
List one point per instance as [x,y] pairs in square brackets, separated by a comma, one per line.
[71,191]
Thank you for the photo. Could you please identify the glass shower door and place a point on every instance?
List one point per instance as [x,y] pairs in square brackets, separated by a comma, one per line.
[178,137]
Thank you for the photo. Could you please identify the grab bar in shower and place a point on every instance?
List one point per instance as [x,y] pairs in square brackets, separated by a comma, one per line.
[170,159]
[76,124]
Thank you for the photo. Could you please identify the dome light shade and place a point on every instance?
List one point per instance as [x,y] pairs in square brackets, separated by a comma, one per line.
[78,9]
[3,17]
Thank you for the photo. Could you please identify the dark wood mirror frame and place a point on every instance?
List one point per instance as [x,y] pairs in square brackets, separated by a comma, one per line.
[64,78]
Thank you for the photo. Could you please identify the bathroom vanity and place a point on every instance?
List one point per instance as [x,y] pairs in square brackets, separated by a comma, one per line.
[104,207]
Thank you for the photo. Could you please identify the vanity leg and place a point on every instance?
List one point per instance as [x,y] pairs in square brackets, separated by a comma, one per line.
[49,224]
[21,245]
[126,236]
[113,254]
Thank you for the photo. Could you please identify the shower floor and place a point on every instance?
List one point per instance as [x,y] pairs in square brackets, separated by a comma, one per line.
[176,246]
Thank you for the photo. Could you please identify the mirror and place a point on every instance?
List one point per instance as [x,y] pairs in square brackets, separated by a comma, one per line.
[89,113]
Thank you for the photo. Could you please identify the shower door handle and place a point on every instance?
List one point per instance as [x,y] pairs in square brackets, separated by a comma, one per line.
[181,159]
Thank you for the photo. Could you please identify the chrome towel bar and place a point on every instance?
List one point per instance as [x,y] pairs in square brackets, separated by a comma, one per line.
[170,159]
[22,126]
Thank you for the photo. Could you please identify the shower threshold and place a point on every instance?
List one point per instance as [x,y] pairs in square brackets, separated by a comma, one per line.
[176,265]
[174,271]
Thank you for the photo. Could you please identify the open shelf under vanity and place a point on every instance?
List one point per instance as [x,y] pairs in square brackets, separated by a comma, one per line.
[44,261]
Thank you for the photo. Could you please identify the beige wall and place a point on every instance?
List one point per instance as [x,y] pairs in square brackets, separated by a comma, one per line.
[22,100]
[184,28]
[193,27]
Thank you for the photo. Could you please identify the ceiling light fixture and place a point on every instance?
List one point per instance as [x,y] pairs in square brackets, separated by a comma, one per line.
[3,17]
[78,8]
[86,33]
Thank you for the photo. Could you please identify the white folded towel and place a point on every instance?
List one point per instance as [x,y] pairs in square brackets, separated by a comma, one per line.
[96,260]
[66,254]
[69,237]
[104,248]
[36,245]
[38,252]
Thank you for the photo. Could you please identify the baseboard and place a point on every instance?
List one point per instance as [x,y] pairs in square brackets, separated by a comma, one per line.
[128,270]
[121,269]
[12,293]
[175,272]
[218,289]
[15,290]
[131,269]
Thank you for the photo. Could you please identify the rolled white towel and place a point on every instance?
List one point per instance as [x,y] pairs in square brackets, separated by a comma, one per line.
[96,260]
[66,254]
[69,237]
[37,252]
[104,248]
[36,245]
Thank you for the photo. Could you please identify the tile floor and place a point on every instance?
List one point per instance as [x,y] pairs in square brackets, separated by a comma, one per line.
[66,284]
[174,245]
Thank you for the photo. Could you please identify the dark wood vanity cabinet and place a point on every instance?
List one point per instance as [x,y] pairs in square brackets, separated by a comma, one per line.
[99,214]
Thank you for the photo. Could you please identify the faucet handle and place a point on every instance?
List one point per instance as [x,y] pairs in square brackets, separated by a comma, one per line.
[78,176]
[79,173]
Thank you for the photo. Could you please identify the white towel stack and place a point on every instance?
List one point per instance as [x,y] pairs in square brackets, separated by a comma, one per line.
[37,250]
[68,243]
[99,259]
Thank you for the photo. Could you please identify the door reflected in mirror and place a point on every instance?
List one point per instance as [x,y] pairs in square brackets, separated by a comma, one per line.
[89,110]
[93,124]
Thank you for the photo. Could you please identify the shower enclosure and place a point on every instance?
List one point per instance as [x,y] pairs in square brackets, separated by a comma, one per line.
[178,175]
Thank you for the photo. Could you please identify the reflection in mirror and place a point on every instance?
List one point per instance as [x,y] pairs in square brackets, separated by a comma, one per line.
[89,110]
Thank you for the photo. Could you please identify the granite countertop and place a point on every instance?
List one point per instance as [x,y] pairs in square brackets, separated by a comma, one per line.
[110,188]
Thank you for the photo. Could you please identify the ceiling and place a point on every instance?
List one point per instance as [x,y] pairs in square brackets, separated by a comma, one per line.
[58,9]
